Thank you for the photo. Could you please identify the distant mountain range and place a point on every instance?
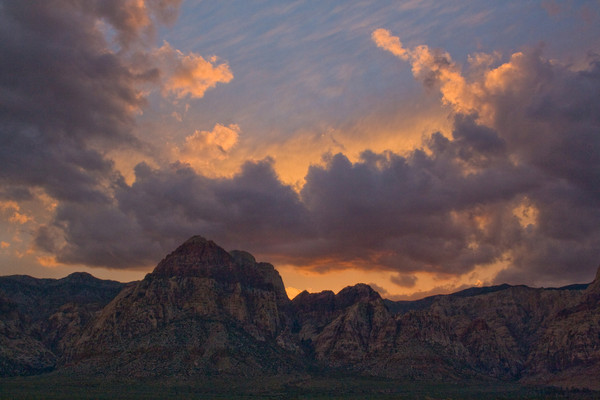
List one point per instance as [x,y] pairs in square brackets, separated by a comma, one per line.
[205,311]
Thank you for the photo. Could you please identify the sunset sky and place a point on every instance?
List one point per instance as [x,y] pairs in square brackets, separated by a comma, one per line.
[418,146]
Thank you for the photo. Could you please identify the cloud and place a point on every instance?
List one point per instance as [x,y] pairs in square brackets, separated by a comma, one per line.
[202,148]
[452,206]
[74,77]
[386,41]
[523,136]
[433,68]
[415,213]
[133,20]
[537,115]
[407,281]
[165,206]
[189,75]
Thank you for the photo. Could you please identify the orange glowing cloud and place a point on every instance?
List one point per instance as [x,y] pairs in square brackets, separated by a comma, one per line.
[385,40]
[431,67]
[47,261]
[471,93]
[190,74]
[202,148]
[19,218]
[221,138]
[14,210]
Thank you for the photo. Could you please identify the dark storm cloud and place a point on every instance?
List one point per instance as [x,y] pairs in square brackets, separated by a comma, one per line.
[407,214]
[414,213]
[551,124]
[551,118]
[71,80]
[446,208]
[165,206]
[456,204]
[538,118]
[62,95]
[408,281]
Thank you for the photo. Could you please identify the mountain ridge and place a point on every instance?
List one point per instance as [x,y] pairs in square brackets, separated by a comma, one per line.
[205,311]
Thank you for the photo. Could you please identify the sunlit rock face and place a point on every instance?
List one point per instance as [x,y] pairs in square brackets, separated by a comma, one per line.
[201,310]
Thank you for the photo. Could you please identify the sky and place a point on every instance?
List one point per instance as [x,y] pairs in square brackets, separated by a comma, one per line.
[421,147]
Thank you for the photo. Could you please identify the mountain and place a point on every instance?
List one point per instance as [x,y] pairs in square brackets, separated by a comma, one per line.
[201,311]
[40,317]
[339,329]
[205,311]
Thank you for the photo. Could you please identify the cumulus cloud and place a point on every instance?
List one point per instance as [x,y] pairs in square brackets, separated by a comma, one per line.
[538,115]
[420,212]
[433,67]
[514,182]
[189,75]
[201,148]
[68,95]
[165,206]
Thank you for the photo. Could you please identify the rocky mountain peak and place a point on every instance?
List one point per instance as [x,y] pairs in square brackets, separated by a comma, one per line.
[353,294]
[328,302]
[225,307]
[242,257]
[201,258]
[196,257]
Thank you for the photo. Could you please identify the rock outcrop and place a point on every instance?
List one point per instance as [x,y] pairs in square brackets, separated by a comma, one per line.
[340,329]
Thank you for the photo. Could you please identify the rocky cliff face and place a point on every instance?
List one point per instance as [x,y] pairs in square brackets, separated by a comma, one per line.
[340,329]
[204,310]
[568,349]
[492,334]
